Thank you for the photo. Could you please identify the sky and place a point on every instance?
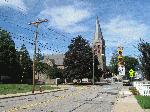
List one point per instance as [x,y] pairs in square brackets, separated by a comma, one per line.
[123,23]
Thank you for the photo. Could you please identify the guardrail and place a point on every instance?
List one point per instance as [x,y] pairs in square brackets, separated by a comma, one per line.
[143,87]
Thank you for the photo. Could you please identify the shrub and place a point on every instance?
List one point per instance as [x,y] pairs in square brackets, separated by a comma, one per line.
[134,91]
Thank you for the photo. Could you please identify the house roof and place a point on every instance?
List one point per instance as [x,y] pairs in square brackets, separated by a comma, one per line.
[58,58]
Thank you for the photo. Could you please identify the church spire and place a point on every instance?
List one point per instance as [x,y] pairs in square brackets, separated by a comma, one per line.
[99,46]
[97,25]
[98,34]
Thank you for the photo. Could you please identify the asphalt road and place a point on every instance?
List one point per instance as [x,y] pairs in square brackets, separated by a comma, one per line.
[75,99]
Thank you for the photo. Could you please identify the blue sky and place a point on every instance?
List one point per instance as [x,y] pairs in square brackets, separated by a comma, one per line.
[123,22]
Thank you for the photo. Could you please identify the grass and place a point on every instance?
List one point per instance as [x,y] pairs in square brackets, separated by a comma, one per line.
[21,88]
[144,101]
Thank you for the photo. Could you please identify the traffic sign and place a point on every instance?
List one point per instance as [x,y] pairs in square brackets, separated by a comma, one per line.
[131,73]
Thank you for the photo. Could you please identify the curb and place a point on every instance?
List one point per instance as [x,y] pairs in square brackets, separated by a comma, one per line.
[6,97]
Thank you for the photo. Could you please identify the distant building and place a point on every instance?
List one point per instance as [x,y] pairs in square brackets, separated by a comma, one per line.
[57,59]
[138,75]
[99,46]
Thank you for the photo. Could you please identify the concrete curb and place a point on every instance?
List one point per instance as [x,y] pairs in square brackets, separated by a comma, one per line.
[29,93]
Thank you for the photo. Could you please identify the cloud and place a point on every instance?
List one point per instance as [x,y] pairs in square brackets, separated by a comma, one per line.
[125,29]
[121,31]
[67,18]
[16,4]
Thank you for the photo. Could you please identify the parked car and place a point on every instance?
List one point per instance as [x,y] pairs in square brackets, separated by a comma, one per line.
[126,81]
[109,80]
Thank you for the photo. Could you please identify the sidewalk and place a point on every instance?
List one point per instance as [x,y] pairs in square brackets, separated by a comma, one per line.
[126,102]
[62,88]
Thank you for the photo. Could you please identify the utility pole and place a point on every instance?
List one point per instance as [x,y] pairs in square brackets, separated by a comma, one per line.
[113,64]
[93,68]
[93,64]
[21,66]
[36,24]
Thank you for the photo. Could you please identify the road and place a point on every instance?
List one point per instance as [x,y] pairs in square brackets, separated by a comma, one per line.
[76,99]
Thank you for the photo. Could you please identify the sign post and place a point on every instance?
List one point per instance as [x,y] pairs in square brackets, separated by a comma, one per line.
[131,74]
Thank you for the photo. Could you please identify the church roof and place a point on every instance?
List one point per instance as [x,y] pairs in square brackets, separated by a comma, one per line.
[58,58]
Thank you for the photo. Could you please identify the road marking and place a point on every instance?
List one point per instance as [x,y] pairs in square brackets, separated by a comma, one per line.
[27,106]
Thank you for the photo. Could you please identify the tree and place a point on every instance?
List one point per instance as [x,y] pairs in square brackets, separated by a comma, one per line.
[40,66]
[114,63]
[144,48]
[54,72]
[130,63]
[26,65]
[9,63]
[78,59]
[97,72]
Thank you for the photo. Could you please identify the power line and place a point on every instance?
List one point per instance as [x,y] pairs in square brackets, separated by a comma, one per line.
[16,6]
[42,34]
[50,29]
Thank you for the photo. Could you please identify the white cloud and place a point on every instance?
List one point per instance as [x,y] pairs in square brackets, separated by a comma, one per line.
[66,18]
[124,32]
[16,4]
[125,29]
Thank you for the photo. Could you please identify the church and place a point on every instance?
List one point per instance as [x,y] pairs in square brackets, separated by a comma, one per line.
[99,46]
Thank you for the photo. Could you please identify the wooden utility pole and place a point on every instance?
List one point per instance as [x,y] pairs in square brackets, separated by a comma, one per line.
[93,67]
[93,49]
[36,24]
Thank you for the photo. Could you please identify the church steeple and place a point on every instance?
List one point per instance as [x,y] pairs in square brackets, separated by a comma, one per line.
[98,34]
[99,46]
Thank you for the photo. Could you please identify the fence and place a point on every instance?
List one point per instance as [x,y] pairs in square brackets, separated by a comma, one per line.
[143,87]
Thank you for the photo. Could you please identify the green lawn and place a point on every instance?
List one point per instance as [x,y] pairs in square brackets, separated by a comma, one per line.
[144,101]
[21,88]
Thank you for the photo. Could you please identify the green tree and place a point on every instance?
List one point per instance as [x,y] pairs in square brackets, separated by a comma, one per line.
[114,63]
[26,65]
[40,66]
[78,59]
[130,63]
[9,63]
[54,72]
[144,48]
